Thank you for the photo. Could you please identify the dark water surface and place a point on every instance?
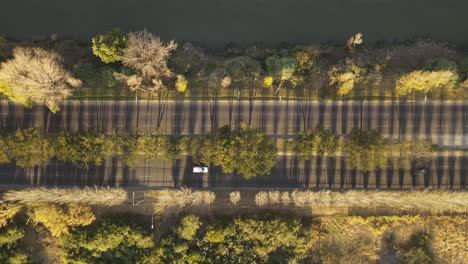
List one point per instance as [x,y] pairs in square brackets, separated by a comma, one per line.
[217,22]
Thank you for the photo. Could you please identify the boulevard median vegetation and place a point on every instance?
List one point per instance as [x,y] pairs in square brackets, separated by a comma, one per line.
[178,199]
[90,196]
[245,151]
[431,201]
[29,147]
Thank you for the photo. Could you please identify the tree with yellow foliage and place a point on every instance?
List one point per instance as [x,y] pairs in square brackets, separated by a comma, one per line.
[425,81]
[58,218]
[345,78]
[7,212]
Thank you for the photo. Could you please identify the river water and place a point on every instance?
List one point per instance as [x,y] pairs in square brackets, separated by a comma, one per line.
[217,22]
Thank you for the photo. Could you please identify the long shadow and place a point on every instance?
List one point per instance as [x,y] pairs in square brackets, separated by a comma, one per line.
[331,170]
[393,115]
[318,171]
[369,109]
[334,117]
[343,173]
[440,163]
[465,125]
[11,115]
[81,112]
[66,120]
[378,178]
[214,114]
[240,113]
[381,118]
[263,116]
[204,113]
[307,172]
[115,117]
[162,107]
[177,120]
[428,119]
[175,171]
[356,109]
[344,117]
[321,114]
[130,109]
[276,117]
[193,180]
[401,178]
[464,172]
[440,129]
[192,117]
[354,175]
[402,119]
[451,171]
[389,176]
[418,113]
[365,176]
[28,116]
[298,116]
[294,179]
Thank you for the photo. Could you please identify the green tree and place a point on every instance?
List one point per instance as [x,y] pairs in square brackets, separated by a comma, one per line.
[247,151]
[405,153]
[243,69]
[124,146]
[282,69]
[115,238]
[319,140]
[11,250]
[82,149]
[189,226]
[161,146]
[28,147]
[365,150]
[4,155]
[109,46]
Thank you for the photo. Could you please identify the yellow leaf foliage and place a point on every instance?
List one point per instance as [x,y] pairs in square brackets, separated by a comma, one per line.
[7,212]
[425,81]
[57,218]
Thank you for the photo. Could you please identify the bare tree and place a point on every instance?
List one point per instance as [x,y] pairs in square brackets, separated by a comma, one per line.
[35,75]
[147,55]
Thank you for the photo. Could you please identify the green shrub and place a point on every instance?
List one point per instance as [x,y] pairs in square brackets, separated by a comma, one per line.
[109,46]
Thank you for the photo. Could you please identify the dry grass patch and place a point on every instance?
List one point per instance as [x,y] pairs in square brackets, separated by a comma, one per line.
[235,197]
[181,198]
[89,196]
[424,200]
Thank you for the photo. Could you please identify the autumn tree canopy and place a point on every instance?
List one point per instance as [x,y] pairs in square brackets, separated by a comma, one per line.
[147,55]
[36,75]
[244,150]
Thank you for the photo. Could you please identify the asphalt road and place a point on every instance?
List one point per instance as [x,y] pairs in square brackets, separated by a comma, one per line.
[444,123]
[445,172]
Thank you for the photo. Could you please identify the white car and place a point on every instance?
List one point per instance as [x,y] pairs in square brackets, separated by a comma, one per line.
[200,169]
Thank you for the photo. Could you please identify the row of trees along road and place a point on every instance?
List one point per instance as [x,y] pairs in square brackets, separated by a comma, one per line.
[245,150]
[47,73]
[363,150]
